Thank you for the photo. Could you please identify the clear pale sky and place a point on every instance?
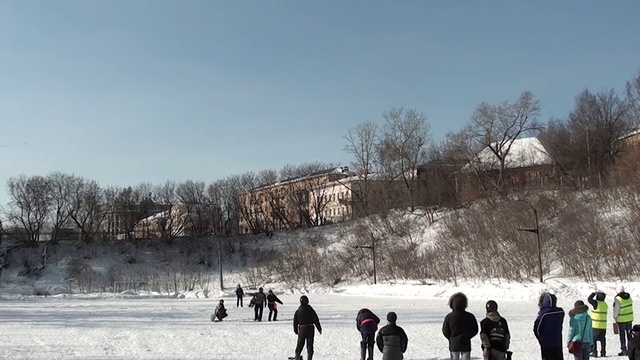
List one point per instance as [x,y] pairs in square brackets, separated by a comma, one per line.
[125,91]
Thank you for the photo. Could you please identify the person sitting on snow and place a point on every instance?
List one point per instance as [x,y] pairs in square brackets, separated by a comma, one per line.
[221,311]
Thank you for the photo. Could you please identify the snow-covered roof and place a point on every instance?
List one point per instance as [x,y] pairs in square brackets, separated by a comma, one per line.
[524,152]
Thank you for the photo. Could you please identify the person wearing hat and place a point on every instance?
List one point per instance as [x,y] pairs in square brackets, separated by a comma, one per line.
[392,340]
[580,329]
[304,320]
[548,327]
[459,327]
[239,296]
[494,334]
[599,318]
[367,324]
[623,316]
[634,344]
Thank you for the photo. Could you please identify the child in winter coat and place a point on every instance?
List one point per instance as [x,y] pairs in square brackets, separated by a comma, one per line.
[459,327]
[494,334]
[580,329]
[392,340]
[220,312]
[367,323]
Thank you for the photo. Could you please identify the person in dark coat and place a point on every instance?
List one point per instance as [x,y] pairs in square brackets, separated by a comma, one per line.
[459,327]
[272,301]
[367,323]
[220,312]
[392,340]
[548,327]
[494,334]
[260,303]
[633,347]
[240,296]
[304,320]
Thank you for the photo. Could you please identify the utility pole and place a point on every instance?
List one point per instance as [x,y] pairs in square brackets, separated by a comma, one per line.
[220,263]
[535,230]
[372,247]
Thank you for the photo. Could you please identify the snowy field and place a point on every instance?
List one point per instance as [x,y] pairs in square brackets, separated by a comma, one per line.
[170,328]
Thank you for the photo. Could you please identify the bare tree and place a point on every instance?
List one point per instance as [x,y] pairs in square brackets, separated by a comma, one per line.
[29,206]
[199,209]
[496,127]
[362,145]
[632,92]
[62,188]
[172,222]
[403,143]
[88,208]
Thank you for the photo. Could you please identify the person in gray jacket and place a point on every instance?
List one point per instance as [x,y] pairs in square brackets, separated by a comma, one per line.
[392,340]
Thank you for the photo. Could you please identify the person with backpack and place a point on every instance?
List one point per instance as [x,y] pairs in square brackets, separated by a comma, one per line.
[459,327]
[494,334]
[272,301]
[580,330]
[392,340]
[599,319]
[304,321]
[239,296]
[220,312]
[367,323]
[548,327]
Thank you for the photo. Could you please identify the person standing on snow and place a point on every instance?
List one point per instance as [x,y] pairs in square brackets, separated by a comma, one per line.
[258,307]
[304,320]
[548,327]
[494,334]
[272,299]
[634,343]
[599,318]
[459,327]
[392,340]
[239,295]
[580,329]
[623,315]
[367,323]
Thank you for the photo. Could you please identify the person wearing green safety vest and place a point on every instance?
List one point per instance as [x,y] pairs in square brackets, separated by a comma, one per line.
[623,315]
[599,318]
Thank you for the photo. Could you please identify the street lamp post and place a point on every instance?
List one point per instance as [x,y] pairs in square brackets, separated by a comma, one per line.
[220,263]
[373,251]
[535,230]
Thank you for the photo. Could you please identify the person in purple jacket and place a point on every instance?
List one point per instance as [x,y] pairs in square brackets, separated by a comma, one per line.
[548,327]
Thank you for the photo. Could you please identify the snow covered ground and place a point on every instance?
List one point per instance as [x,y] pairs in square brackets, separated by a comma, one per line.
[180,328]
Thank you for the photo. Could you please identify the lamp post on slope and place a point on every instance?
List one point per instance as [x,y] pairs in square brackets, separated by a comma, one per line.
[535,230]
[372,247]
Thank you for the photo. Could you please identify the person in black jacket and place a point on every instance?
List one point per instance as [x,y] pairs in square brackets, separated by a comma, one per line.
[392,340]
[494,334]
[259,304]
[367,323]
[548,327]
[633,347]
[240,296]
[459,327]
[272,299]
[304,320]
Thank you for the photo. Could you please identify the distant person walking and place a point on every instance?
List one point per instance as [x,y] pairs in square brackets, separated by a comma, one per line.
[599,318]
[623,315]
[305,321]
[367,324]
[459,327]
[260,303]
[548,327]
[392,340]
[239,296]
[580,329]
[272,302]
[494,334]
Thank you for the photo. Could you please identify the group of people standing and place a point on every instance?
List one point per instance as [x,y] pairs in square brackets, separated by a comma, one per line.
[586,330]
[259,301]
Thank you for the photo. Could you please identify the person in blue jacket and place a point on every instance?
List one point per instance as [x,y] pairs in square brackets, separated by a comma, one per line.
[548,327]
[580,329]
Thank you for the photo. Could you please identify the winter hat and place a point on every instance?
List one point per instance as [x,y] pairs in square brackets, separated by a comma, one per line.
[491,306]
[578,303]
[304,300]
[620,289]
[636,328]
[392,317]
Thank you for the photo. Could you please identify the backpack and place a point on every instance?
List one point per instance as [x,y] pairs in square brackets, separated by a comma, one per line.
[497,335]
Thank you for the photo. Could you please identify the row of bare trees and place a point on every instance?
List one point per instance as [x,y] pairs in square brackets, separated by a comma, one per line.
[584,146]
